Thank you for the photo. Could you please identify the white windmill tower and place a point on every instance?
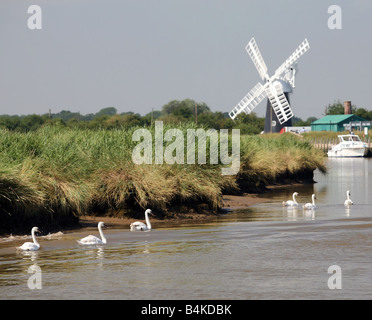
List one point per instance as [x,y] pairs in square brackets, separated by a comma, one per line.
[275,88]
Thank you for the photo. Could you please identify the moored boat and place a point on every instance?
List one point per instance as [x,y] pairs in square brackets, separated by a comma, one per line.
[350,146]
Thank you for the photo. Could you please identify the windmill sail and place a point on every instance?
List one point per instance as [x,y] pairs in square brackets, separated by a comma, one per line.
[303,47]
[256,57]
[279,102]
[250,101]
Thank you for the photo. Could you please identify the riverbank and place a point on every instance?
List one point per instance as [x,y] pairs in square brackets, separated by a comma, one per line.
[230,203]
[54,176]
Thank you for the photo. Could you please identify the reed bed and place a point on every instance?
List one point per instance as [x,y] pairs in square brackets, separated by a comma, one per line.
[54,175]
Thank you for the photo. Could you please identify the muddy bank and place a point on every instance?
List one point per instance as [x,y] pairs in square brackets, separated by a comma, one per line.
[177,215]
[230,202]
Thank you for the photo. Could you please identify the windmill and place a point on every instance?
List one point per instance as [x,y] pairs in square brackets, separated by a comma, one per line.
[275,88]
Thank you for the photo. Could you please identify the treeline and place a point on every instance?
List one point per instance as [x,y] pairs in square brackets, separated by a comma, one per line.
[173,112]
[338,108]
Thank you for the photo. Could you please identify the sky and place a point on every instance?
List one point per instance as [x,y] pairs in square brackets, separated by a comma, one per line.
[137,55]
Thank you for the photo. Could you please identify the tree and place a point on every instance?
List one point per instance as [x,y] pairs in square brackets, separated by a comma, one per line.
[249,123]
[109,111]
[10,122]
[184,108]
[337,108]
[183,111]
[212,120]
[363,113]
[298,122]
[65,115]
[311,120]
[32,122]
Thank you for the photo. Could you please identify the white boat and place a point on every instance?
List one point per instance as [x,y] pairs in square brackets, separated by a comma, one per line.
[350,146]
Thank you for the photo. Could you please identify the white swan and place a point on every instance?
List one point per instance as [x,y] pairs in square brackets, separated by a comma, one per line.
[89,240]
[291,203]
[140,226]
[348,201]
[31,246]
[310,205]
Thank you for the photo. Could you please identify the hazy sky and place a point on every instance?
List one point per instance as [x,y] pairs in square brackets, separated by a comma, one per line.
[137,55]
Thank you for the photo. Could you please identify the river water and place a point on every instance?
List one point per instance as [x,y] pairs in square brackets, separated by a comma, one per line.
[264,252]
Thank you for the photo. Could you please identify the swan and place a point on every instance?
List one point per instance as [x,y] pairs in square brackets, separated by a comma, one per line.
[140,226]
[310,205]
[291,203]
[348,201]
[89,240]
[31,246]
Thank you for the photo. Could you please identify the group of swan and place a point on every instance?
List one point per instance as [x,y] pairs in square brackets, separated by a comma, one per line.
[90,240]
[140,226]
[294,204]
[309,206]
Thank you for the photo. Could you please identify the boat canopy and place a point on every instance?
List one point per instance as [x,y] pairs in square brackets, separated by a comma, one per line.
[349,137]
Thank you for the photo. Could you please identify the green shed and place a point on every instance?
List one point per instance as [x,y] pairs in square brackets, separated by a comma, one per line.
[334,123]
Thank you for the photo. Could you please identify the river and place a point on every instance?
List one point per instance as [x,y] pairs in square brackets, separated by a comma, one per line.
[263,252]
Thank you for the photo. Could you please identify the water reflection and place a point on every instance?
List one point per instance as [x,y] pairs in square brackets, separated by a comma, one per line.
[344,174]
[146,248]
[97,252]
[292,213]
[309,214]
[347,211]
[28,255]
[330,189]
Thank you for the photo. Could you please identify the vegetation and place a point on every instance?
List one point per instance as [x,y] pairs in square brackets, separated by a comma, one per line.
[55,174]
[173,112]
[338,108]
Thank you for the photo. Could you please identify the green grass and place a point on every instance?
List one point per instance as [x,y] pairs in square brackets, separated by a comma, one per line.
[57,174]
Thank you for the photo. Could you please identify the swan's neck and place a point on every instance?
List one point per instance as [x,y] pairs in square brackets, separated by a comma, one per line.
[294,198]
[147,220]
[34,237]
[313,200]
[103,238]
[348,195]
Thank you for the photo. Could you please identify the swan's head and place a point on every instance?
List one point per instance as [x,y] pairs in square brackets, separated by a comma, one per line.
[35,229]
[148,211]
[348,193]
[295,194]
[101,224]
[313,196]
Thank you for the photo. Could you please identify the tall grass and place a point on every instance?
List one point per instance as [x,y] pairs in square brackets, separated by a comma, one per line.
[57,174]
[274,158]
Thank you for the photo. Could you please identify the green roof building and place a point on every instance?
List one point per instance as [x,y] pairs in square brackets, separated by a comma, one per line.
[334,123]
